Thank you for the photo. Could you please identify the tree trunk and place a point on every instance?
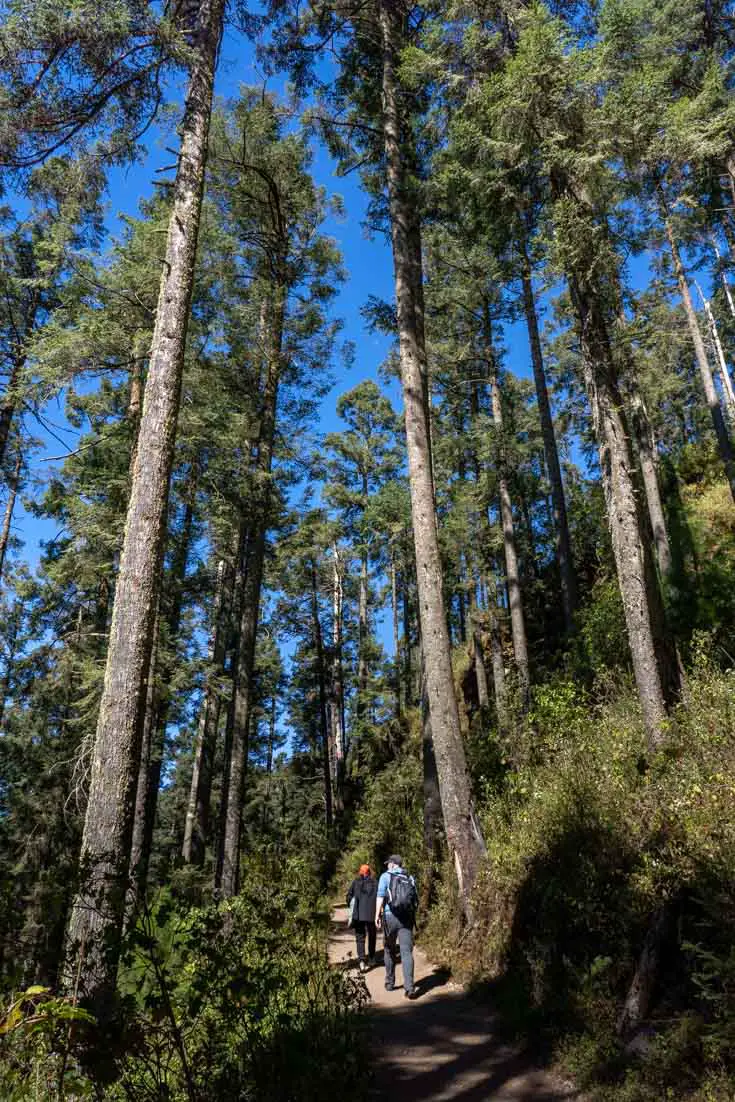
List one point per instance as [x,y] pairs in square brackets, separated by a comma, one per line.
[646,457]
[138,856]
[641,598]
[512,574]
[718,421]
[95,924]
[478,657]
[461,617]
[322,680]
[723,278]
[464,839]
[362,625]
[551,453]
[196,826]
[336,694]
[242,687]
[8,404]
[156,721]
[232,645]
[433,822]
[727,387]
[269,764]
[9,507]
[532,567]
[12,626]
[498,666]
[406,617]
[396,636]
[488,593]
[640,992]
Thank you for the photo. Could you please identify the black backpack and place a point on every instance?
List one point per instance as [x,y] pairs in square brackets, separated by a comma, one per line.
[403,898]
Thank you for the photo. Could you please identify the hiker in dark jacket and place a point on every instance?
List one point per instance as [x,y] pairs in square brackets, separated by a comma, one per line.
[364,888]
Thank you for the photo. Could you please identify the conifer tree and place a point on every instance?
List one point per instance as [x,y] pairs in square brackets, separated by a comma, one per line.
[96,919]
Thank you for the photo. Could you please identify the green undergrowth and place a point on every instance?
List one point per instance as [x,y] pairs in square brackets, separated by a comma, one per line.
[233,1002]
[587,839]
[389,819]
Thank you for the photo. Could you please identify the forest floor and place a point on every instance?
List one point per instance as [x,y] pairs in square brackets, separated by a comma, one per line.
[446,1045]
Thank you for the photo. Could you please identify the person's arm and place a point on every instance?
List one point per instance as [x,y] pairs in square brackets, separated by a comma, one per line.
[379,904]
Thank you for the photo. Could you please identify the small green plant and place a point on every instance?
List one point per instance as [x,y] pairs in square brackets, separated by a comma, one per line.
[36,1061]
[237,1001]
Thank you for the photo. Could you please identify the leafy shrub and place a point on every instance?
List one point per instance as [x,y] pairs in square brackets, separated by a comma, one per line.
[237,1001]
[586,840]
[35,1048]
[602,627]
[234,1002]
[389,819]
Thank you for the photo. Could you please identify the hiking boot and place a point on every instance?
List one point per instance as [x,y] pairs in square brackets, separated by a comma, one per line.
[411,994]
[390,987]
[363,966]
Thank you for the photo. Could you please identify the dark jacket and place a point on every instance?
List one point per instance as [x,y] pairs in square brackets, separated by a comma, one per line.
[366,890]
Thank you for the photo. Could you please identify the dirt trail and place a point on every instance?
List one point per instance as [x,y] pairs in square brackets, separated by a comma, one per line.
[444,1045]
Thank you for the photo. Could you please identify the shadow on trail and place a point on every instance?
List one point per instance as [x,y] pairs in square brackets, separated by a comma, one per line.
[446,1045]
[440,978]
[449,1047]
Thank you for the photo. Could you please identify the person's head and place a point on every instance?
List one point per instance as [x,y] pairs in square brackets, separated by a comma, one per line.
[364,870]
[394,862]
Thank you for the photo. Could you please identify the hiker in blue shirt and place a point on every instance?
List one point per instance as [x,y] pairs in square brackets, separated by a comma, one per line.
[395,910]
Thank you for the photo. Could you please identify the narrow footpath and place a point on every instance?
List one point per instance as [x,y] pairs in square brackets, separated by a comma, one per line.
[444,1045]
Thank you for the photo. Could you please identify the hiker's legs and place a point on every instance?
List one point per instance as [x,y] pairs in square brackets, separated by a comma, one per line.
[371,939]
[360,939]
[390,929]
[405,940]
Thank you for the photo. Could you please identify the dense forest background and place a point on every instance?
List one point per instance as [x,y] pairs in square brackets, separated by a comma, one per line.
[472,599]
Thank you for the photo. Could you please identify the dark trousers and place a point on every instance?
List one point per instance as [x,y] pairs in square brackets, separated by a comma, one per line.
[396,933]
[361,928]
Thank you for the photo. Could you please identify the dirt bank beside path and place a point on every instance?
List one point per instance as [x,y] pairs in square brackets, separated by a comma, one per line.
[444,1045]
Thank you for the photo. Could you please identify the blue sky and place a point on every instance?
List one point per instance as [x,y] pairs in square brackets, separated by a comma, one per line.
[368,264]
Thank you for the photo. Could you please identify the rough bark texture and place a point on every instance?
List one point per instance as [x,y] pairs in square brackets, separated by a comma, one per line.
[723,277]
[337,696]
[478,658]
[396,636]
[322,680]
[242,687]
[713,402]
[334,709]
[646,457]
[640,992]
[95,924]
[362,633]
[512,573]
[138,856]
[232,644]
[498,668]
[464,839]
[196,826]
[152,751]
[433,821]
[488,592]
[9,508]
[727,387]
[408,693]
[641,603]
[551,453]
